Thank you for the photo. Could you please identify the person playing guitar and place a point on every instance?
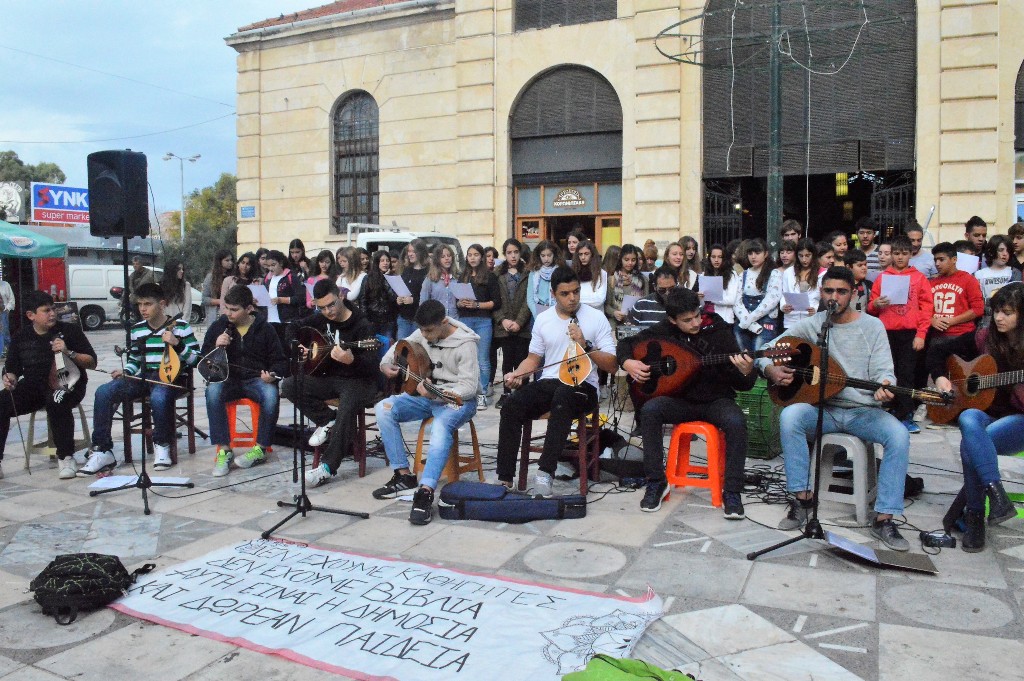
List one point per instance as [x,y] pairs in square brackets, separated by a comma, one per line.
[255,362]
[999,429]
[447,394]
[32,357]
[556,332]
[150,339]
[349,376]
[859,345]
[710,395]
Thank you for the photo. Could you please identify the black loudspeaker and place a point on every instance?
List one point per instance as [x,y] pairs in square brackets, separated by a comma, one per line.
[118,204]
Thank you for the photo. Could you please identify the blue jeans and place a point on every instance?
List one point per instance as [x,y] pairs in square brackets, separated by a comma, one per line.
[5,331]
[397,409]
[405,328]
[755,341]
[983,438]
[109,395]
[868,423]
[219,394]
[483,327]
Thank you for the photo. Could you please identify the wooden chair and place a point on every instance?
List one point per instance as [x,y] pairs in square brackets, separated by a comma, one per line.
[142,424]
[458,463]
[46,446]
[359,445]
[585,450]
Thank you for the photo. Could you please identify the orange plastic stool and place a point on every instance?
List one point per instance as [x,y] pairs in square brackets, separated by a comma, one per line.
[681,473]
[241,438]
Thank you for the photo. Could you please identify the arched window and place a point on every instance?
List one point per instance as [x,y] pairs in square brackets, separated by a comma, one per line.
[356,169]
[1018,110]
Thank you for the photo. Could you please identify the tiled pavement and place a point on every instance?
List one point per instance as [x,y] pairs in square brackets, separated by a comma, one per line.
[806,612]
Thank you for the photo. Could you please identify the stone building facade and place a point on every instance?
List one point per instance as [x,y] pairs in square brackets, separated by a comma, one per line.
[449,83]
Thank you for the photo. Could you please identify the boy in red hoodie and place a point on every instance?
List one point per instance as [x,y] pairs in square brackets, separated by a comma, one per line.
[906,325]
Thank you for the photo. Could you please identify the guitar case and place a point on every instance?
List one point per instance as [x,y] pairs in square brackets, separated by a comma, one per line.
[480,501]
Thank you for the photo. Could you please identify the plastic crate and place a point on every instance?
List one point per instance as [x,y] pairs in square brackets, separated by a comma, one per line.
[763,441]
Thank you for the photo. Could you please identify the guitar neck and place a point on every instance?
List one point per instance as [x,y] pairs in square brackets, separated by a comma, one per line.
[1001,379]
[873,386]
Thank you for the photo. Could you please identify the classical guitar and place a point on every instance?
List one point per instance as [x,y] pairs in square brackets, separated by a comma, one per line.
[807,378]
[318,348]
[974,385]
[674,364]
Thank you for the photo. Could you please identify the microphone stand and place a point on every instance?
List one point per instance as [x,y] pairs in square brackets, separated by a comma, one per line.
[812,528]
[301,502]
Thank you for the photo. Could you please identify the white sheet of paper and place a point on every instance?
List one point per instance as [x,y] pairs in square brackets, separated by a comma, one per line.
[800,301]
[896,289]
[260,295]
[965,262]
[711,287]
[463,291]
[397,285]
[628,302]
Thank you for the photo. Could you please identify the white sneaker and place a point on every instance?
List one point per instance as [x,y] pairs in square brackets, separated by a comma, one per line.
[921,412]
[68,468]
[481,402]
[161,457]
[97,462]
[542,484]
[1,472]
[318,476]
[320,435]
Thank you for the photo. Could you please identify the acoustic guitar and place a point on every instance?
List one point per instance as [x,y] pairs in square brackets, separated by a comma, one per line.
[674,364]
[974,385]
[807,378]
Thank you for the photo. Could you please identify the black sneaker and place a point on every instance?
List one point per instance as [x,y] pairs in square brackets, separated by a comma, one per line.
[501,401]
[422,507]
[887,531]
[655,494]
[399,482]
[796,517]
[733,505]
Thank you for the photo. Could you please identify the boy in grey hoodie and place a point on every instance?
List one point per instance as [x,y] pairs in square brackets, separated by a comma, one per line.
[452,348]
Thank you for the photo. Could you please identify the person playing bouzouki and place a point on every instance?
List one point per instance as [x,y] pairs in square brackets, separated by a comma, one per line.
[709,396]
[451,348]
[30,362]
[149,339]
[255,361]
[349,376]
[857,343]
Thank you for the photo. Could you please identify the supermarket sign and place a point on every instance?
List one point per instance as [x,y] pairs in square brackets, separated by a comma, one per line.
[58,203]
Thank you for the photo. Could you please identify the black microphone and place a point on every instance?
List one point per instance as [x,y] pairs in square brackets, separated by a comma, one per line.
[832,306]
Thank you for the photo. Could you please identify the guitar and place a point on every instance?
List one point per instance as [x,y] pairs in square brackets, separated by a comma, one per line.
[318,348]
[806,364]
[674,364]
[974,385]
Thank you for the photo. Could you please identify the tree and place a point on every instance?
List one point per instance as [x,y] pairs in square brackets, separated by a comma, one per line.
[210,225]
[13,169]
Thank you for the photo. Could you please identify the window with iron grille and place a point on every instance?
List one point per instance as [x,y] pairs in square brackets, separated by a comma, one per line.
[544,13]
[356,170]
[1018,110]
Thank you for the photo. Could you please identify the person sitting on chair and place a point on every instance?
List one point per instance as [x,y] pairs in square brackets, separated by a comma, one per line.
[255,364]
[148,340]
[452,349]
[31,358]
[859,345]
[553,331]
[710,395]
[349,376]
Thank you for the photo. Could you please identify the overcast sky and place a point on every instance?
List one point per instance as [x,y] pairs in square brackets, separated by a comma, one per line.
[152,76]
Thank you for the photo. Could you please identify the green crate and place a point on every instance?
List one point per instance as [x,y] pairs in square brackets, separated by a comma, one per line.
[762,414]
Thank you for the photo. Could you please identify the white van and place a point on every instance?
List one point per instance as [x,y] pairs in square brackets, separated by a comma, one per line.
[379,237]
[89,286]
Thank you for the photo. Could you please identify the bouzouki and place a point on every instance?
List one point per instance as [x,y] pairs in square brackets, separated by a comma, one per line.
[318,348]
[415,366]
[974,385]
[674,364]
[807,378]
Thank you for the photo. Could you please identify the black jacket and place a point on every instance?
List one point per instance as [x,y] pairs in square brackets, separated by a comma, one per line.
[290,287]
[30,356]
[489,292]
[379,305]
[258,350]
[367,362]
[711,382]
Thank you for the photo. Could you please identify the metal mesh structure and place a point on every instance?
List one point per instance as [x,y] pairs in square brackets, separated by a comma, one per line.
[1018,110]
[568,100]
[356,170]
[849,66]
[544,13]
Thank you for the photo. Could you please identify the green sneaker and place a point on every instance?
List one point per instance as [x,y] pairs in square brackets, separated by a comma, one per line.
[223,462]
[252,457]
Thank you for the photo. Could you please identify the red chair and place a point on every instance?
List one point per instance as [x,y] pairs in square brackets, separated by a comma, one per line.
[243,439]
[681,473]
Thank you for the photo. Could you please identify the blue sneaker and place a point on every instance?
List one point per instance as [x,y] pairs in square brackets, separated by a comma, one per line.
[911,427]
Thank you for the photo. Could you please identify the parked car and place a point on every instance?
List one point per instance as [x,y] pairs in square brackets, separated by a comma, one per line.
[90,285]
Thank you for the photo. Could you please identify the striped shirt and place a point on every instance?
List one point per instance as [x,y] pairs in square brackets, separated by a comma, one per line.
[147,348]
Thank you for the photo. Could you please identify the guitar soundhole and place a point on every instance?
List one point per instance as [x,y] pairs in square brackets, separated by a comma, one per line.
[971,385]
[669,366]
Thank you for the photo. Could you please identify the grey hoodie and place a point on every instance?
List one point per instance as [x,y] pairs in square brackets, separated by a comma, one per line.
[456,368]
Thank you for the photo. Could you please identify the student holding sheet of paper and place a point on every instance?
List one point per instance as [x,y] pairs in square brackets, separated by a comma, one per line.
[717,265]
[627,284]
[906,323]
[376,299]
[476,309]
[415,263]
[801,278]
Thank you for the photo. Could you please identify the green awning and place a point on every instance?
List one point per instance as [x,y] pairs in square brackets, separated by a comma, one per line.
[18,242]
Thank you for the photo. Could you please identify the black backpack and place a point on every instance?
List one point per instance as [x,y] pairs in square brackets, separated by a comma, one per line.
[81,581]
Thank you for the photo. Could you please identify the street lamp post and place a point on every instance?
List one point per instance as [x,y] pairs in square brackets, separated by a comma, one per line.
[181,166]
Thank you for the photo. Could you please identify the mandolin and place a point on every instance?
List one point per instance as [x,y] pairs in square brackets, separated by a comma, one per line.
[974,385]
[674,364]
[807,378]
[318,348]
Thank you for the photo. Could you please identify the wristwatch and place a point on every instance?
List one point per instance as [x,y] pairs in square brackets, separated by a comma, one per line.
[588,346]
[72,354]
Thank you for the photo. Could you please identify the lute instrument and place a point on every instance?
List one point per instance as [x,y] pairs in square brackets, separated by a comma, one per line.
[974,383]
[318,348]
[415,367]
[64,374]
[576,364]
